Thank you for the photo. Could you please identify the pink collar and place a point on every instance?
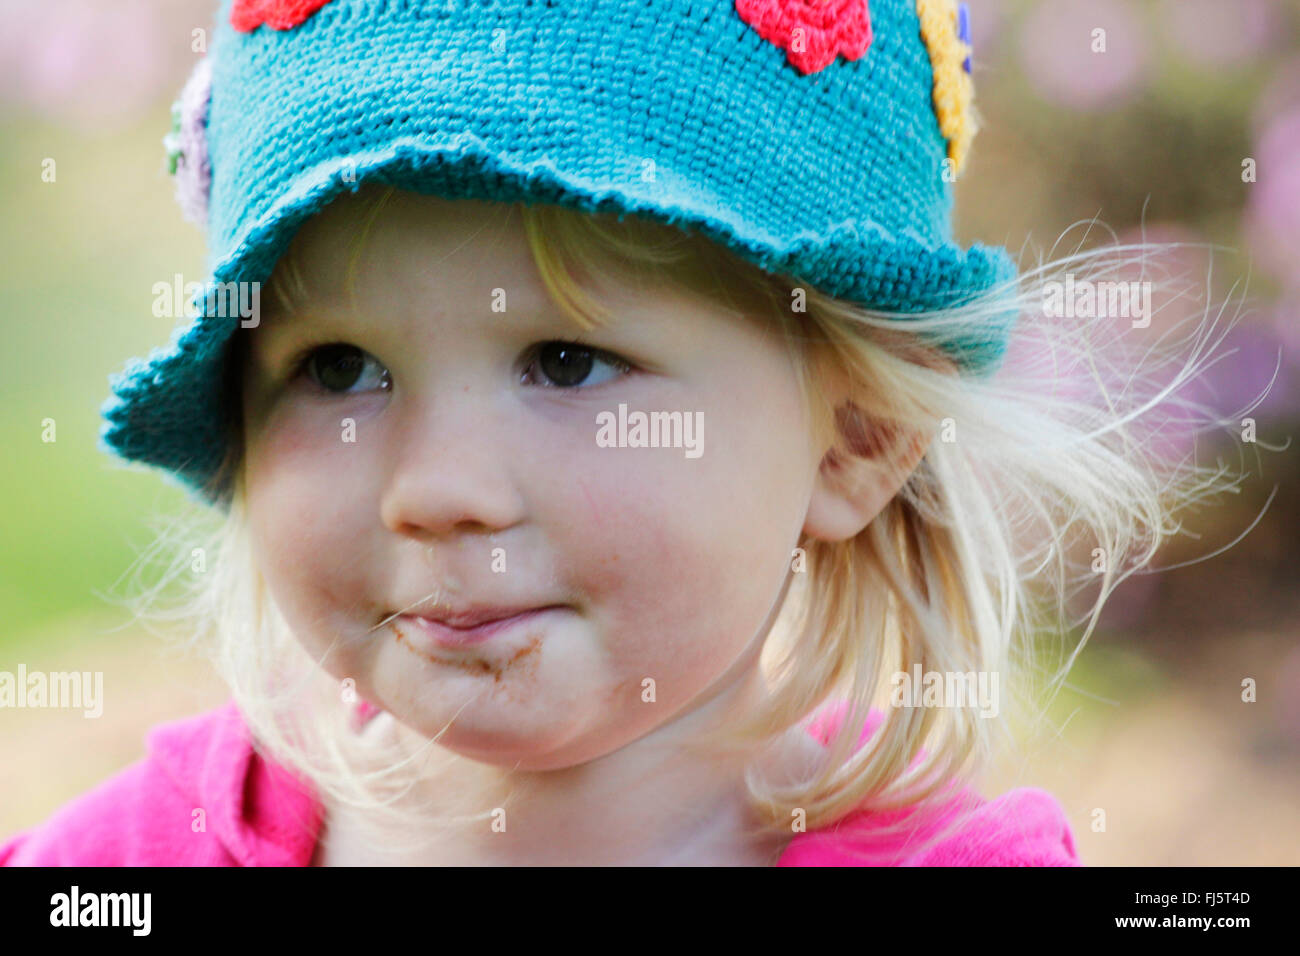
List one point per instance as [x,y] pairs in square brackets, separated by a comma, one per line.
[264,815]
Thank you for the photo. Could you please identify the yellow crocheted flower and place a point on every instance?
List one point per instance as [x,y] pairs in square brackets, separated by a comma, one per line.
[953,89]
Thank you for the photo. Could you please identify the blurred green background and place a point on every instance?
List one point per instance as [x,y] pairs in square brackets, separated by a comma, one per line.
[1149,134]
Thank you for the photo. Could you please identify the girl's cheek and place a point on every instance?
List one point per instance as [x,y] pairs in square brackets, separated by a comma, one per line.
[287,453]
[627,536]
[298,433]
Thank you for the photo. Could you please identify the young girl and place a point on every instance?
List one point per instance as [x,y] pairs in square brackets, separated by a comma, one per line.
[614,471]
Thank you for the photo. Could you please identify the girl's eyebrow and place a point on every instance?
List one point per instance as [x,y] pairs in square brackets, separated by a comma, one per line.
[280,321]
[279,330]
[282,325]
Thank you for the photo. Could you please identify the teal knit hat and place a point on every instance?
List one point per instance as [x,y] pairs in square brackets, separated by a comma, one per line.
[814,138]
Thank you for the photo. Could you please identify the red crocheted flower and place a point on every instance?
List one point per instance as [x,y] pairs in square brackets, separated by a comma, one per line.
[247,15]
[812,32]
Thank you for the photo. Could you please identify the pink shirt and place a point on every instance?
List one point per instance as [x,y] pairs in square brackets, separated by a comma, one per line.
[203,797]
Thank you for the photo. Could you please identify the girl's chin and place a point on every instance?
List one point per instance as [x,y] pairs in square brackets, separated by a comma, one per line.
[490,721]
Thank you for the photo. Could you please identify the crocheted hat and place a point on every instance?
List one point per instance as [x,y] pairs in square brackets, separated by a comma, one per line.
[814,138]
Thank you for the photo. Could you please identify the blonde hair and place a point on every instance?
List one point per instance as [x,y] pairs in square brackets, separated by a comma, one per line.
[974,561]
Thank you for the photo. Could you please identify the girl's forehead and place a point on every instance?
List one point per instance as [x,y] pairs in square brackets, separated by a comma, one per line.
[396,249]
[381,236]
[374,213]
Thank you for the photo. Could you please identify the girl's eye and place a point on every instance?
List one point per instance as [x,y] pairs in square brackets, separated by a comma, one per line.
[337,367]
[568,364]
[341,369]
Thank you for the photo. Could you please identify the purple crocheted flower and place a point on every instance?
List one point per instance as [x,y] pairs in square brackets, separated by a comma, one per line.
[187,144]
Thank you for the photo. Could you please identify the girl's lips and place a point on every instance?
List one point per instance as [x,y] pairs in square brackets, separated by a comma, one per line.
[444,635]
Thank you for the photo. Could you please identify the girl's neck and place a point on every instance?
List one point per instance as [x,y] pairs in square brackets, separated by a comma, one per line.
[723,838]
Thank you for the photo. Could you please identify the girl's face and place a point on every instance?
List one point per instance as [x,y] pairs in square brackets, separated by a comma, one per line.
[441,449]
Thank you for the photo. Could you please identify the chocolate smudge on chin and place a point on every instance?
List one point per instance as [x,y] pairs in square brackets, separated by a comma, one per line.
[476,665]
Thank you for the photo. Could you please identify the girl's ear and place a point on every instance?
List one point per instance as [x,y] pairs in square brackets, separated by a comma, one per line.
[850,490]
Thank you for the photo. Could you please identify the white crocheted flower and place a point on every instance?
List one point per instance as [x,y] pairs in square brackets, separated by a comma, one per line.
[187,144]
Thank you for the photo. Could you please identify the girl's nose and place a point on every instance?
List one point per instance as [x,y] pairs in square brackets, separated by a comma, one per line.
[450,471]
